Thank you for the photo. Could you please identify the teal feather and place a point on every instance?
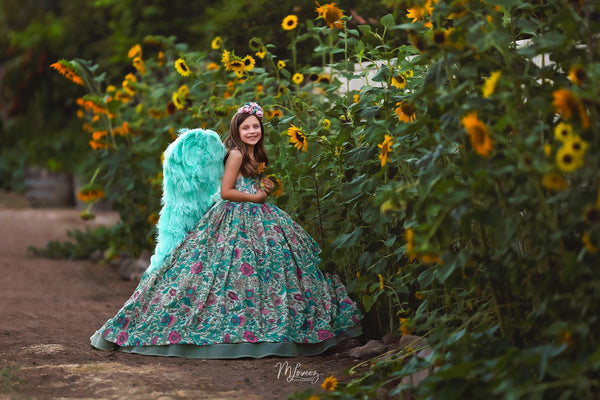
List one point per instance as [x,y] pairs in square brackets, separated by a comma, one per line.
[192,172]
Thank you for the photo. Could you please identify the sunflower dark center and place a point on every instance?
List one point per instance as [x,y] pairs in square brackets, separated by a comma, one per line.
[407,109]
[439,37]
[567,159]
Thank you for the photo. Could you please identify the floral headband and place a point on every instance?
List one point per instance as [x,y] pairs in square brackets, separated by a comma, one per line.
[252,109]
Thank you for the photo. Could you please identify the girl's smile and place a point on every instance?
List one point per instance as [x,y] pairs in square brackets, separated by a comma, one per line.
[250,132]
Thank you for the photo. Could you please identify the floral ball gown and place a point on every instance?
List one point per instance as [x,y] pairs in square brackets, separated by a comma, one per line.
[245,282]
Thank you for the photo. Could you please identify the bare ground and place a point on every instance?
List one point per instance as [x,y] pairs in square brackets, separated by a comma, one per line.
[50,308]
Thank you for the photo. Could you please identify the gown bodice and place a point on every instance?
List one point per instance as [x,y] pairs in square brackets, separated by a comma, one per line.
[247,184]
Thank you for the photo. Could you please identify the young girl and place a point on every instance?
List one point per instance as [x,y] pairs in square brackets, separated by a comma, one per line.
[244,282]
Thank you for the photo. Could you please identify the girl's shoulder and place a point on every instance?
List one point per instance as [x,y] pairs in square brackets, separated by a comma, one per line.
[235,154]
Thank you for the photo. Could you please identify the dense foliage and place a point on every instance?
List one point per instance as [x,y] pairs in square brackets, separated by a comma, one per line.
[456,190]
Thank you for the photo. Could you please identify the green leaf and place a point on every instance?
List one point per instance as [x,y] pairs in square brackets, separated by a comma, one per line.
[387,21]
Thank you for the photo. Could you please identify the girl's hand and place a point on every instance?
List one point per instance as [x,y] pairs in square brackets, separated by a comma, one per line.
[267,185]
[261,196]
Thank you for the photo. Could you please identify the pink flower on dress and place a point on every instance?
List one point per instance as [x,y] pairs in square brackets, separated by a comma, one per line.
[122,338]
[172,292]
[232,296]
[298,297]
[246,269]
[226,338]
[154,340]
[106,332]
[237,253]
[276,300]
[174,337]
[249,337]
[196,268]
[324,334]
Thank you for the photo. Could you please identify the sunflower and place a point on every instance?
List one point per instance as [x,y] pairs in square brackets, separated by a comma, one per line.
[490,84]
[278,185]
[399,81]
[216,43]
[139,65]
[555,182]
[326,124]
[381,284]
[225,58]
[154,113]
[323,79]
[177,101]
[386,148]
[275,112]
[297,78]
[563,131]
[281,90]
[406,112]
[248,62]
[330,382]
[290,22]
[356,98]
[213,66]
[280,64]
[68,70]
[235,66]
[127,87]
[98,135]
[479,134]
[567,105]
[135,51]
[418,295]
[577,75]
[418,43]
[331,14]
[576,145]
[183,91]
[255,44]
[440,37]
[416,13]
[91,193]
[182,67]
[261,53]
[567,160]
[297,138]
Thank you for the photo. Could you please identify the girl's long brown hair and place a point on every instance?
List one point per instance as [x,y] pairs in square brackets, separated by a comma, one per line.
[233,141]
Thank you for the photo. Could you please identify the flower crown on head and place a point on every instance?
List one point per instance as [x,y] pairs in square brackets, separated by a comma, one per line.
[252,109]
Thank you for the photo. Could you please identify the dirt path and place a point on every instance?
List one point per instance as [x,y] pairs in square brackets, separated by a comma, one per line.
[50,308]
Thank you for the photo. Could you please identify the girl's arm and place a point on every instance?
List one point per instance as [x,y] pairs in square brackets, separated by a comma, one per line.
[232,169]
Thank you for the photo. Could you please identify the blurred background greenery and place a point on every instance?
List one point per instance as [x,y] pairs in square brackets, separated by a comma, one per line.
[37,107]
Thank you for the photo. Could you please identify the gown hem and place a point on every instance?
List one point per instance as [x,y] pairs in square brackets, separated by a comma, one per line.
[229,350]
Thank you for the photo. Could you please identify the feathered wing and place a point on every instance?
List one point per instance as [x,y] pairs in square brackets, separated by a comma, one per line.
[192,172]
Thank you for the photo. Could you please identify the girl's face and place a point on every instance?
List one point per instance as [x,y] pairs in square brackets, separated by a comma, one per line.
[249,131]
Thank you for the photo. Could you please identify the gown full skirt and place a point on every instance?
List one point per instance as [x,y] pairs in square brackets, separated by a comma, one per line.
[245,282]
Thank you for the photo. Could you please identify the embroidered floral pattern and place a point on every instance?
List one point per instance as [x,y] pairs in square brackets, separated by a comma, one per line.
[246,273]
